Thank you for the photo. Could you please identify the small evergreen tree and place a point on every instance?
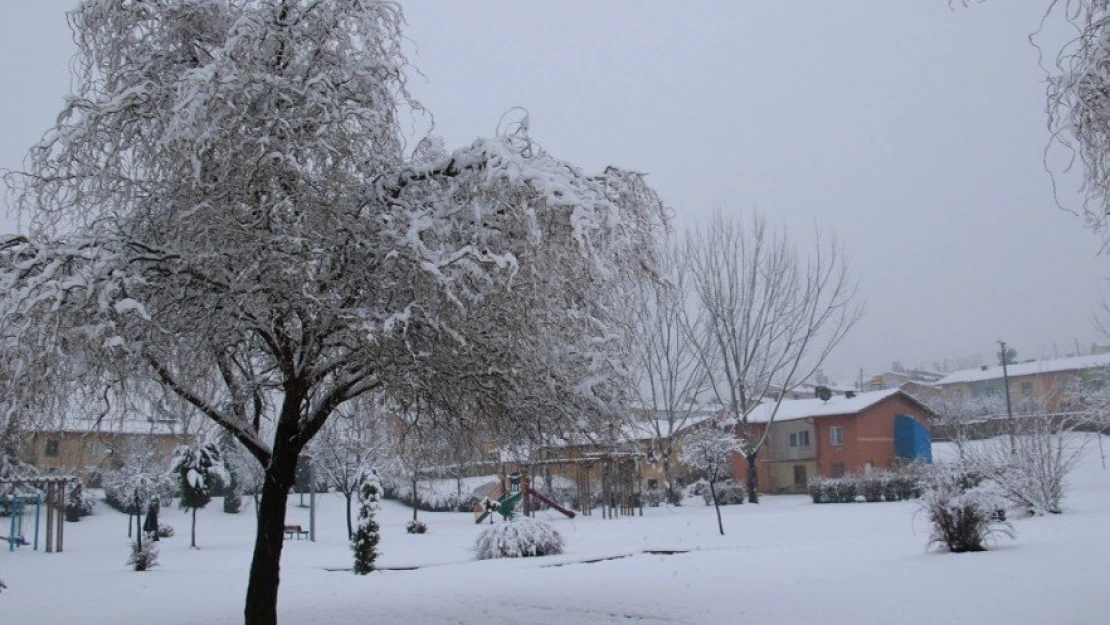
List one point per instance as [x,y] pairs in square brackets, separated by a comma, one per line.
[233,490]
[366,538]
[196,469]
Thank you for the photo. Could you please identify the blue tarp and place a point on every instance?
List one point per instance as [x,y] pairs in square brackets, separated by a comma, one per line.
[912,440]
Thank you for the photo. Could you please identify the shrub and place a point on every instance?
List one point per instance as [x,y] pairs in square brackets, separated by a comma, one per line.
[165,530]
[367,534]
[729,492]
[872,487]
[654,497]
[79,503]
[521,537]
[145,557]
[416,527]
[1030,469]
[963,520]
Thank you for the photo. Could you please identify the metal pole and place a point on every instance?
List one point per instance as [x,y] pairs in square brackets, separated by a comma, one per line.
[1009,407]
[61,516]
[312,503]
[50,518]
[38,516]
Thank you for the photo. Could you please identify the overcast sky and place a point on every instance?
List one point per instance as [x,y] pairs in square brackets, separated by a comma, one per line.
[913,132]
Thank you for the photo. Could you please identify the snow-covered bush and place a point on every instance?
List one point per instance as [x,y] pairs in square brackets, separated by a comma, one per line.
[433,496]
[137,483]
[165,530]
[1030,468]
[2,585]
[79,503]
[144,556]
[963,520]
[367,534]
[653,497]
[521,537]
[833,489]
[729,492]
[873,486]
[416,527]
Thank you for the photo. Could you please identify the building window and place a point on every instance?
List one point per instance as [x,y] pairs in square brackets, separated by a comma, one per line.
[838,469]
[95,449]
[1026,389]
[836,435]
[51,450]
[799,439]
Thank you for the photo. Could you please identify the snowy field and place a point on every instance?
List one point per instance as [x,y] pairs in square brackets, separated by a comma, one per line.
[784,562]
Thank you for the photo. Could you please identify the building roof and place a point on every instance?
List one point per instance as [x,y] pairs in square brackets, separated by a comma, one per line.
[112,426]
[1035,367]
[792,409]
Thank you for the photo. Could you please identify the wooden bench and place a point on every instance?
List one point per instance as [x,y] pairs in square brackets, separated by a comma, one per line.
[295,530]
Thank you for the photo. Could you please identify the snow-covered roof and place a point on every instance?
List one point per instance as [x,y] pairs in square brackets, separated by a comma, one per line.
[113,426]
[791,409]
[646,428]
[1027,368]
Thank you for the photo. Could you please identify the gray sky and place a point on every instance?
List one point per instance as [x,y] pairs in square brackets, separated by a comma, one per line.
[914,132]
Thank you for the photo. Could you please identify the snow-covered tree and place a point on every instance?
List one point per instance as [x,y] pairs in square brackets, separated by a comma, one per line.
[197,469]
[226,206]
[772,314]
[367,535]
[233,489]
[708,450]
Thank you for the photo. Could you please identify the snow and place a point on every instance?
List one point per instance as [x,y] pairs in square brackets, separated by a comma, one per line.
[1035,367]
[785,561]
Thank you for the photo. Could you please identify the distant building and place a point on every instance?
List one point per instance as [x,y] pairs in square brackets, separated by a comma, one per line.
[1042,381]
[87,446]
[852,433]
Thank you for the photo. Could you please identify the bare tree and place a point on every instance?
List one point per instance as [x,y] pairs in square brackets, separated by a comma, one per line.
[670,376]
[226,207]
[352,441]
[771,316]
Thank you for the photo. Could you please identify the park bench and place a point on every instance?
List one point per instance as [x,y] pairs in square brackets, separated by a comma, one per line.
[295,530]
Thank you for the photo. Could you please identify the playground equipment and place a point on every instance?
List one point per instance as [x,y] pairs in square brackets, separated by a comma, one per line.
[50,491]
[617,476]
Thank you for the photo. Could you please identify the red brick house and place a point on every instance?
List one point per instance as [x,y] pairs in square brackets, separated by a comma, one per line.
[844,434]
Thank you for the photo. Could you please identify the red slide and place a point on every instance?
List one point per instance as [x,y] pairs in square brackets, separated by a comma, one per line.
[550,502]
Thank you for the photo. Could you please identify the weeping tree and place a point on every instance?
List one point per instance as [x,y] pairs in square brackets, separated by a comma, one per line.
[769,315]
[226,208]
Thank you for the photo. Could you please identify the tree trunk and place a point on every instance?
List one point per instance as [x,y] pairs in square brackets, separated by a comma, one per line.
[753,479]
[414,497]
[262,586]
[193,536]
[350,529]
[717,507]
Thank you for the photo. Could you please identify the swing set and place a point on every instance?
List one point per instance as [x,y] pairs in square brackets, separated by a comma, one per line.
[47,492]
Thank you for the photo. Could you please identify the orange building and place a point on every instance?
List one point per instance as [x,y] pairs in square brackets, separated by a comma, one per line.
[853,433]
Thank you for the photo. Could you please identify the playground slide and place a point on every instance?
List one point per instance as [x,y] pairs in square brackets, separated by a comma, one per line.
[505,508]
[550,502]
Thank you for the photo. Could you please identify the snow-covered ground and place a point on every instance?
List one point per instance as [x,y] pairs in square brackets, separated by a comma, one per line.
[784,562]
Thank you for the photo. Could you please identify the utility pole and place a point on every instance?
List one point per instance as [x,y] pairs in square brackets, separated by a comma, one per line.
[1006,384]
